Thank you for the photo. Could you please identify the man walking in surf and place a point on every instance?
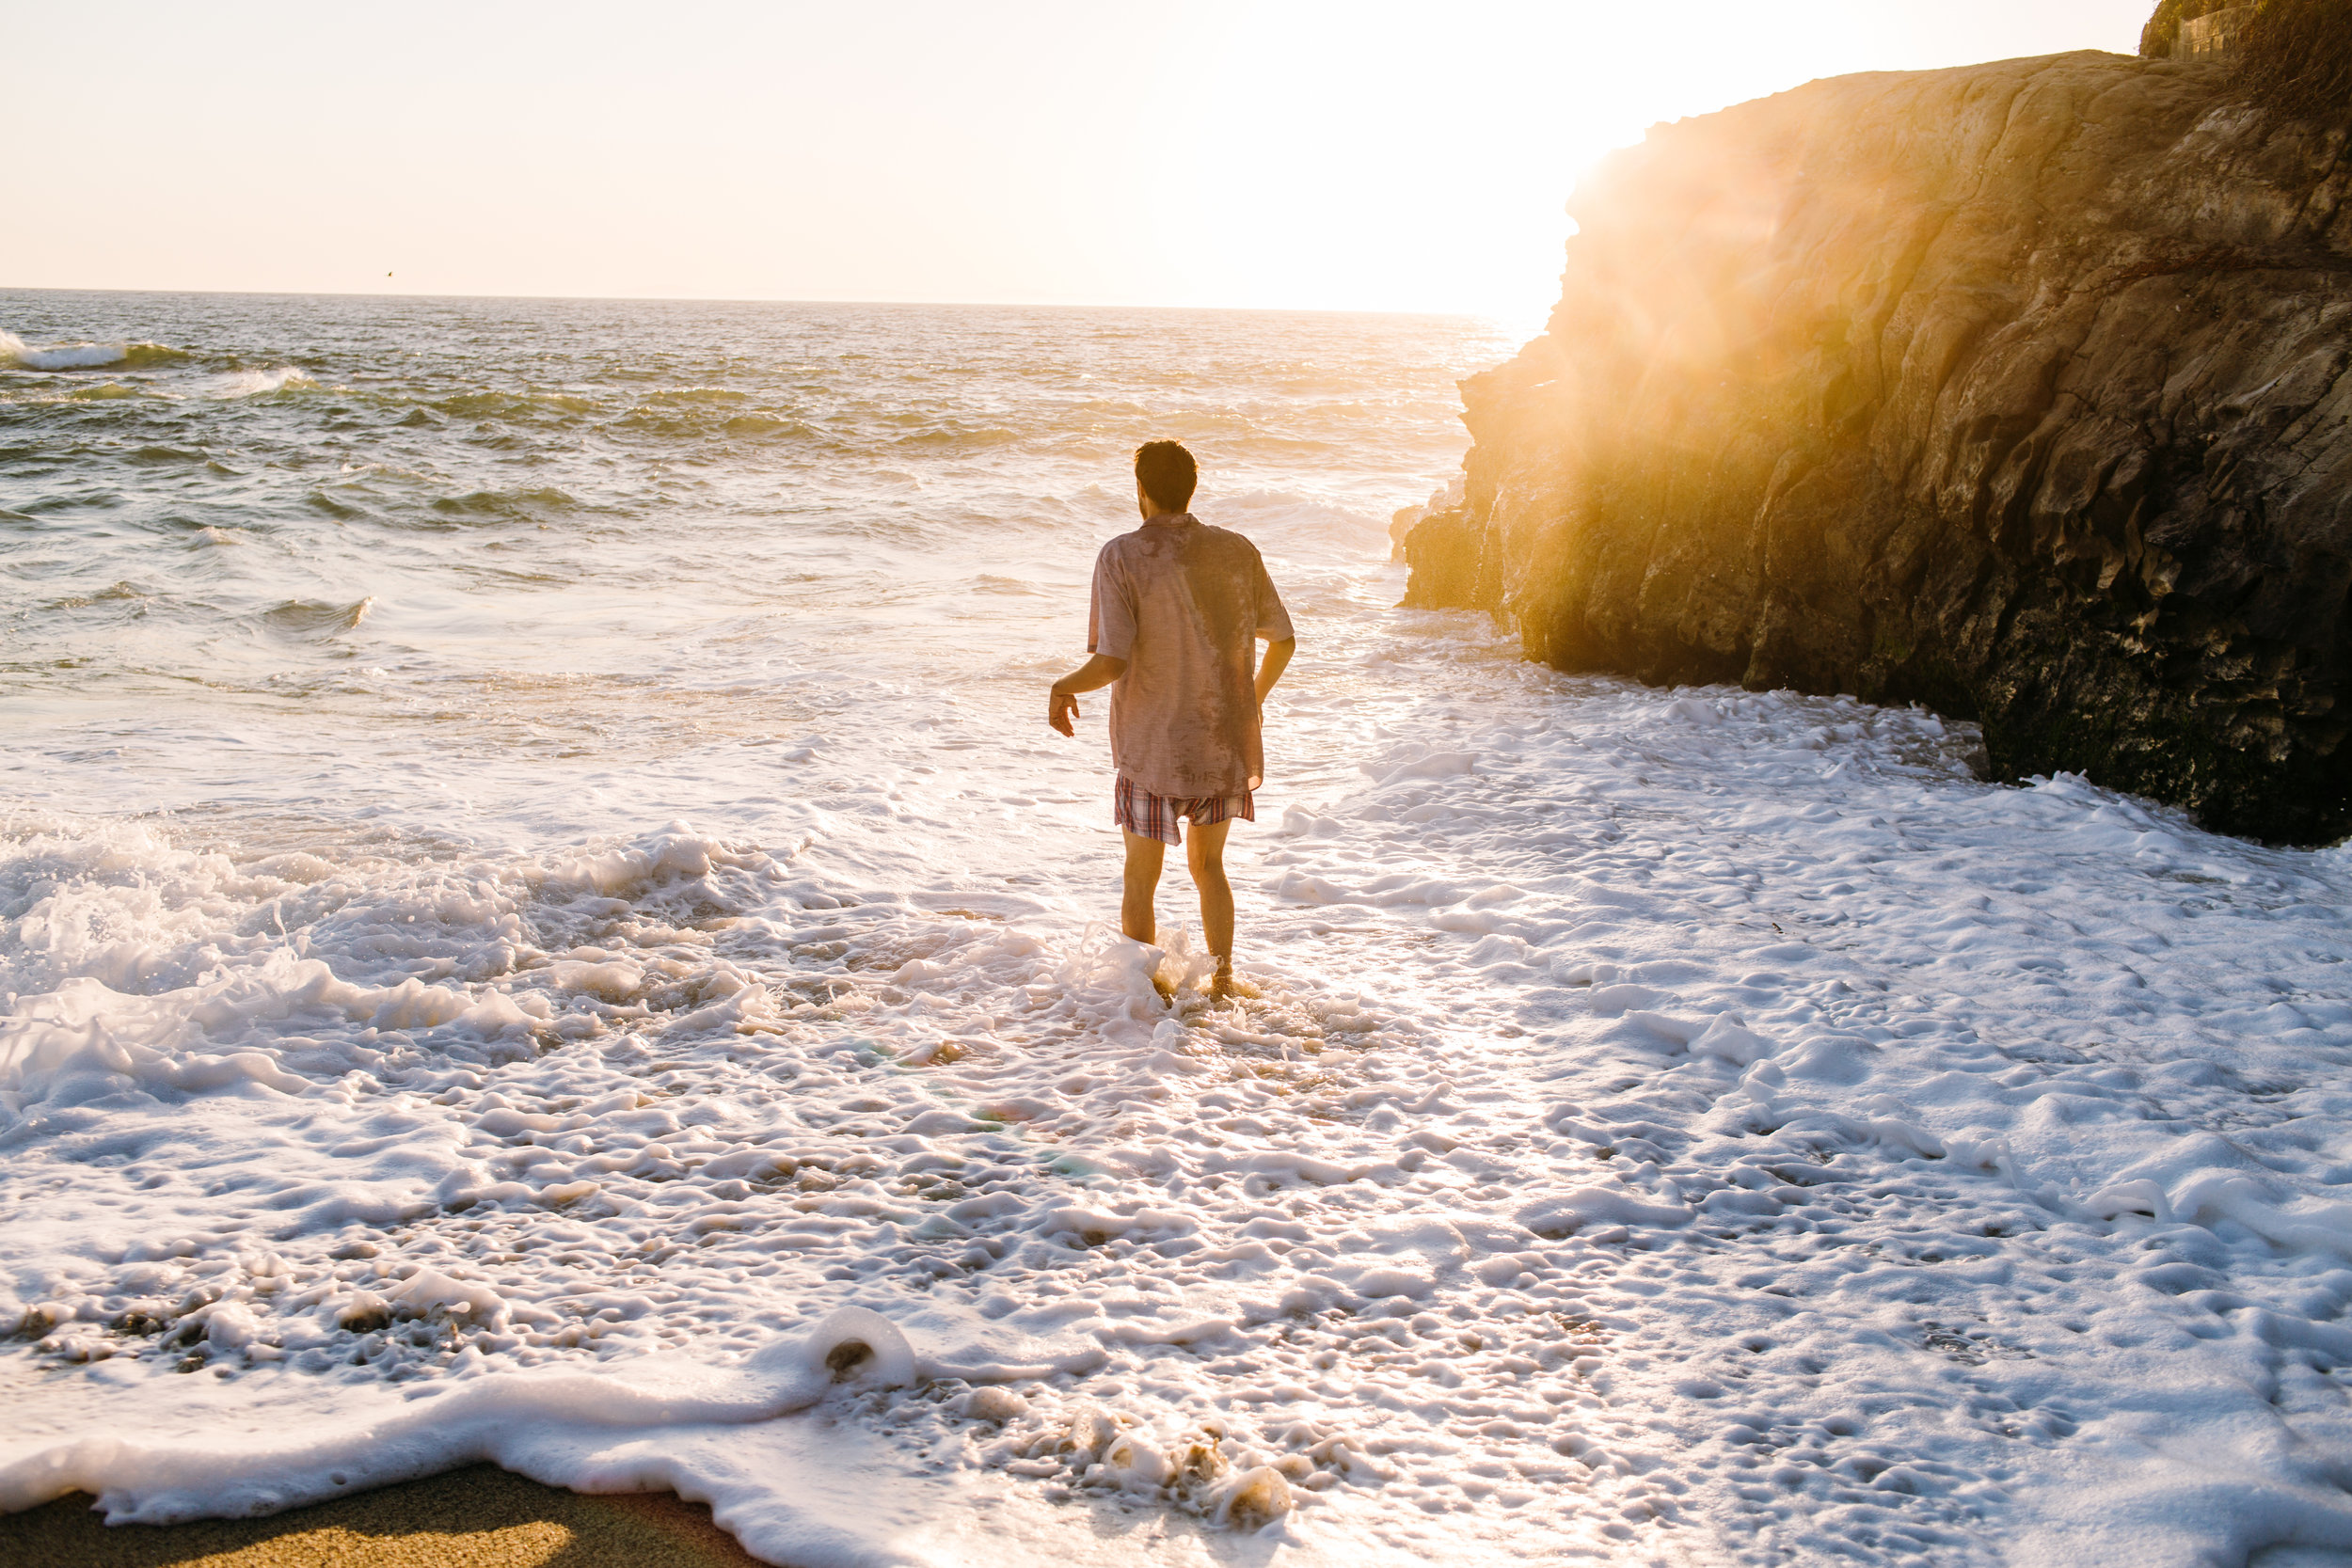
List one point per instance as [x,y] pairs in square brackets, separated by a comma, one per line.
[1179,609]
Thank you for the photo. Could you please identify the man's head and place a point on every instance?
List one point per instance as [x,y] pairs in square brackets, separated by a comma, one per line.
[1165,477]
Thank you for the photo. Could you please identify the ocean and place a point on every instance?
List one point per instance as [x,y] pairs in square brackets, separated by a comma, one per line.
[541,921]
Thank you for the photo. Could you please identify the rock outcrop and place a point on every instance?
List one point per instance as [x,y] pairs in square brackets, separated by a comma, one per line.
[2018,391]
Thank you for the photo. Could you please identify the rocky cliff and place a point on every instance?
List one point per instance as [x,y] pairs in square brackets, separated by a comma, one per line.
[2018,391]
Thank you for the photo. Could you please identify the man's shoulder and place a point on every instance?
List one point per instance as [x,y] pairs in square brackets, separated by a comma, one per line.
[1149,542]
[1120,554]
[1226,542]
[1238,537]
[1153,547]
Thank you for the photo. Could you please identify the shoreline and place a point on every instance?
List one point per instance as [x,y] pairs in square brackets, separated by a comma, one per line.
[477,1517]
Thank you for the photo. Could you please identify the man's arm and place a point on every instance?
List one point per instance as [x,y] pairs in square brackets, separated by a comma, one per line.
[1278,659]
[1097,673]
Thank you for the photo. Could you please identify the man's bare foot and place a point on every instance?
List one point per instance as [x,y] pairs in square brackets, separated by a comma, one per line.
[1225,987]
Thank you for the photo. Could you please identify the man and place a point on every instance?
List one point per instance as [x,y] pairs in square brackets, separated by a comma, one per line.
[1179,609]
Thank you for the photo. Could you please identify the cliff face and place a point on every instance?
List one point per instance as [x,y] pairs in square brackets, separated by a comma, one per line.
[2017,391]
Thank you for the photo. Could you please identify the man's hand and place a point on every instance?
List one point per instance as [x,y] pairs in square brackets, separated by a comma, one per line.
[1062,705]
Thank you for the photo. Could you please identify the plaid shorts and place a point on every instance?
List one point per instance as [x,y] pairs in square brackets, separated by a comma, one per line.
[1149,815]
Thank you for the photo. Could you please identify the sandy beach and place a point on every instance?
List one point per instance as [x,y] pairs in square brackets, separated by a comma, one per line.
[478,1517]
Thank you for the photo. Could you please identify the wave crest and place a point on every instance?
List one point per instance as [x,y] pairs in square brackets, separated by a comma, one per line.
[258,383]
[78,356]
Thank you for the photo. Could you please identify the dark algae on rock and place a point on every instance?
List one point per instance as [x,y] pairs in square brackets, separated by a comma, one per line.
[2017,391]
[2296,55]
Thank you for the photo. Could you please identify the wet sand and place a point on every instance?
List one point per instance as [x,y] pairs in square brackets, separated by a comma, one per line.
[480,1517]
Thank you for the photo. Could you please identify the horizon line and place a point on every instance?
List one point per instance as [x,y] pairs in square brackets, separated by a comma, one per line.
[720,299]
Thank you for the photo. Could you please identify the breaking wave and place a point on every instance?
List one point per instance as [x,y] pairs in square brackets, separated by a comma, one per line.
[255,383]
[14,352]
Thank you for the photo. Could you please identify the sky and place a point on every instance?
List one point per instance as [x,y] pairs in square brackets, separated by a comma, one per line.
[1361,156]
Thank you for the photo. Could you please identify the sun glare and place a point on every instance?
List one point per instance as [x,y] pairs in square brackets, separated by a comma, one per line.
[1425,157]
[1387,157]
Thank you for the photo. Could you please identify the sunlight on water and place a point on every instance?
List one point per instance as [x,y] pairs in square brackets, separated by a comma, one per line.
[592,536]
[541,921]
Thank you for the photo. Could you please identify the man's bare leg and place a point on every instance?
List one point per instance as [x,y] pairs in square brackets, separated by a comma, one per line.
[1204,854]
[1143,879]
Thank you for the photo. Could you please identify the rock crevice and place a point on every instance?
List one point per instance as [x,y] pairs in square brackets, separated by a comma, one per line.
[2018,391]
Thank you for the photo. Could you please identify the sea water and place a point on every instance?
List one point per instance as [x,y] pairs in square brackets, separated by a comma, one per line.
[541,921]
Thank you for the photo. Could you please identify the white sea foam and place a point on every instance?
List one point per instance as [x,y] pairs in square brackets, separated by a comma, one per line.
[1671,1125]
[59,357]
[253,382]
[1574,1211]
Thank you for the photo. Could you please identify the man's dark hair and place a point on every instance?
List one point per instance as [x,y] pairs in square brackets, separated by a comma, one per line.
[1168,473]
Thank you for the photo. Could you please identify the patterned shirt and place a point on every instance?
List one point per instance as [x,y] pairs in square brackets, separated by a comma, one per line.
[1184,604]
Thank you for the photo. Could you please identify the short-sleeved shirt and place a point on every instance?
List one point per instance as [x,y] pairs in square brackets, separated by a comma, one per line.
[1184,604]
